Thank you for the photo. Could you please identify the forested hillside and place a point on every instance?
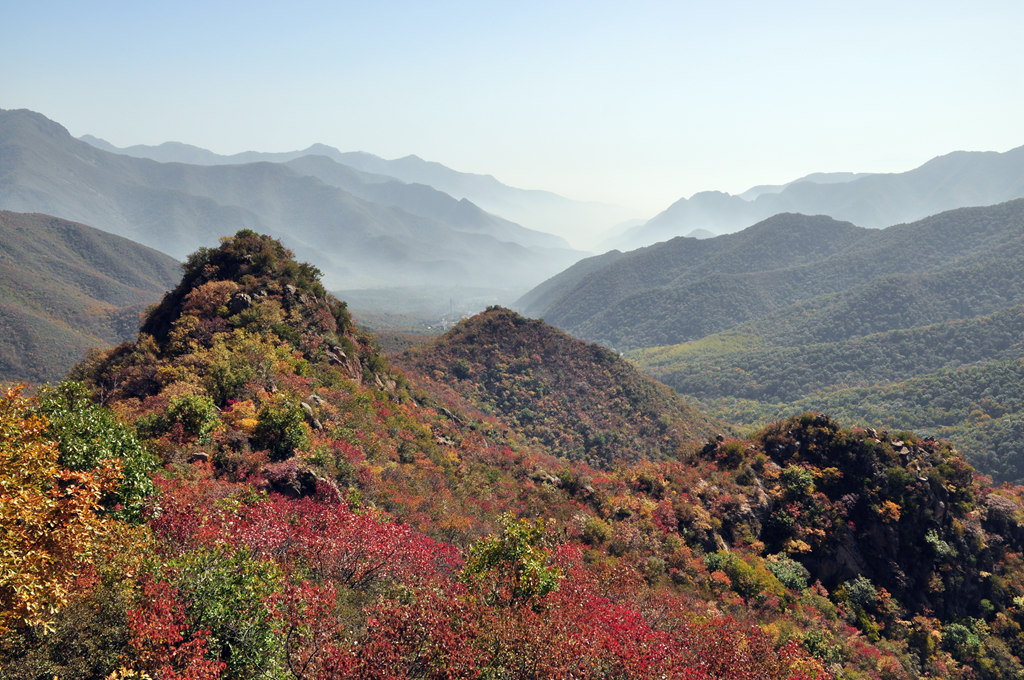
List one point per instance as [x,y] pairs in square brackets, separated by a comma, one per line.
[578,401]
[250,490]
[685,289]
[642,288]
[929,346]
[801,313]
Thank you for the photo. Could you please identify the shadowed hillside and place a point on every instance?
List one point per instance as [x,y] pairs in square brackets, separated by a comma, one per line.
[65,288]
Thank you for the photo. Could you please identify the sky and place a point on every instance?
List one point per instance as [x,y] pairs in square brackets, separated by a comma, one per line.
[637,103]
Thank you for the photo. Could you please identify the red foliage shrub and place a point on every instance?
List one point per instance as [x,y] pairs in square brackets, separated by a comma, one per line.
[337,544]
[162,641]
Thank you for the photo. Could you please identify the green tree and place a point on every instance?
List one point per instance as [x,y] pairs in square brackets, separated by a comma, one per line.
[513,567]
[87,435]
[227,593]
[197,415]
[281,428]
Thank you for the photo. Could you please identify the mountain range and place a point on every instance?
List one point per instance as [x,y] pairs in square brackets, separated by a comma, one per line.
[686,288]
[262,494]
[955,180]
[916,326]
[582,223]
[374,233]
[417,225]
[239,483]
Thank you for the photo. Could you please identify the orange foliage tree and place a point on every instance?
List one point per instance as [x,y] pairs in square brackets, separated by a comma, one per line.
[49,521]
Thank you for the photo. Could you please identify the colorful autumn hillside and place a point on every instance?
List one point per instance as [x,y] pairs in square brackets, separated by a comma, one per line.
[249,490]
[580,401]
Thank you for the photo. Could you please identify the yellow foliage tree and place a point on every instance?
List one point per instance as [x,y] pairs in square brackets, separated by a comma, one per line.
[49,521]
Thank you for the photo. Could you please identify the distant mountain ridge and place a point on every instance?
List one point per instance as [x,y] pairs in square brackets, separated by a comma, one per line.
[954,180]
[580,221]
[814,178]
[65,288]
[684,289]
[359,173]
[422,199]
[603,299]
[176,208]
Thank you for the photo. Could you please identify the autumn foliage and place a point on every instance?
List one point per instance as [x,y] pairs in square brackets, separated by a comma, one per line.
[310,512]
[49,520]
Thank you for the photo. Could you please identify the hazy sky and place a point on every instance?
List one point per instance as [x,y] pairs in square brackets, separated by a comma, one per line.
[639,103]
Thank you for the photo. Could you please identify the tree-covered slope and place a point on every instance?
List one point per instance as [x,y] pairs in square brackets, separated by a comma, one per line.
[978,406]
[577,400]
[920,352]
[65,288]
[777,244]
[744,366]
[886,308]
